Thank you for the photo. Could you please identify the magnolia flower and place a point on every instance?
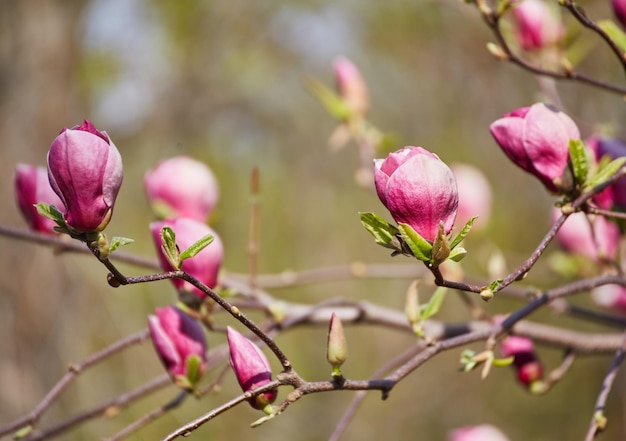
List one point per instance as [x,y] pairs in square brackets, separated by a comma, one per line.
[418,189]
[180,344]
[529,368]
[592,236]
[351,86]
[182,187]
[251,368]
[483,432]
[31,187]
[204,266]
[536,139]
[85,171]
[611,297]
[536,24]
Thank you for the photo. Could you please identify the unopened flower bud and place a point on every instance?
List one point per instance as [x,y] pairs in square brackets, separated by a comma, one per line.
[204,266]
[619,8]
[611,297]
[616,193]
[181,187]
[180,343]
[336,346]
[483,432]
[537,24]
[418,189]
[32,187]
[536,139]
[251,368]
[474,194]
[85,171]
[351,86]
[529,368]
[594,237]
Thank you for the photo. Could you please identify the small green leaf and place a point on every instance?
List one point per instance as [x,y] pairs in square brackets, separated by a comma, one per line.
[493,286]
[169,247]
[193,368]
[467,360]
[384,233]
[51,212]
[117,242]
[434,304]
[605,173]
[579,160]
[23,432]
[441,247]
[613,31]
[420,247]
[333,103]
[196,247]
[466,229]
[501,362]
[457,254]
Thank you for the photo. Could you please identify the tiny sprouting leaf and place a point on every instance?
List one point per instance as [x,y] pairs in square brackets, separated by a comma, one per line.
[441,247]
[457,254]
[604,174]
[419,246]
[384,233]
[196,247]
[579,159]
[332,102]
[463,233]
[169,247]
[433,306]
[117,242]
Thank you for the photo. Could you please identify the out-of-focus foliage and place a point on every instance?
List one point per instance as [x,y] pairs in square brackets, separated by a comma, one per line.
[222,81]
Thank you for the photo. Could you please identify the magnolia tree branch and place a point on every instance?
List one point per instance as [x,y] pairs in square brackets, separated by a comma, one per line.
[598,421]
[505,53]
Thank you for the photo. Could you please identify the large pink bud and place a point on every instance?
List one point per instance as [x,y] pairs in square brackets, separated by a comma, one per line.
[418,189]
[592,236]
[182,187]
[536,139]
[251,368]
[31,187]
[204,266]
[85,170]
[483,432]
[536,24]
[474,194]
[177,337]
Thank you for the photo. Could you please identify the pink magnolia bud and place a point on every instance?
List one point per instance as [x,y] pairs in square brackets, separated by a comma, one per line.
[182,187]
[537,25]
[616,193]
[418,189]
[474,194]
[351,86]
[31,187]
[612,297]
[483,432]
[85,170]
[177,337]
[536,139]
[204,266]
[251,367]
[592,236]
[529,368]
[619,8]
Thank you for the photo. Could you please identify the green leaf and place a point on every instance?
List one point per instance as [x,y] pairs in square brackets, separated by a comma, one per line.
[501,362]
[196,247]
[434,304]
[614,31]
[579,159]
[605,173]
[193,368]
[333,103]
[23,432]
[169,247]
[467,360]
[420,247]
[466,229]
[457,254]
[493,286]
[117,242]
[384,233]
[51,212]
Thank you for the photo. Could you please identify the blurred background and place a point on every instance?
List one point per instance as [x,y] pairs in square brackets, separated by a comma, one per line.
[223,82]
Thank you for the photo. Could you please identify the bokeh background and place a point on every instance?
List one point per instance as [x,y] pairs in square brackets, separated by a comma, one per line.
[223,81]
